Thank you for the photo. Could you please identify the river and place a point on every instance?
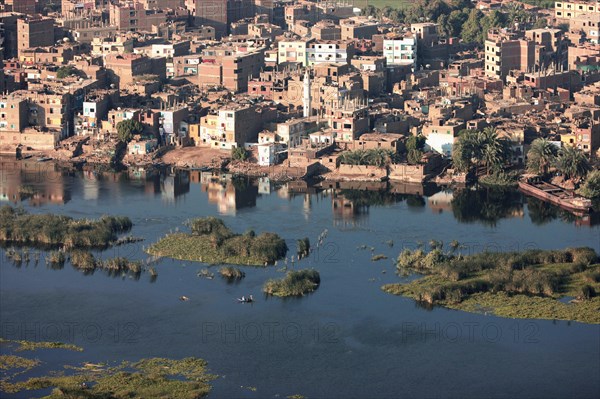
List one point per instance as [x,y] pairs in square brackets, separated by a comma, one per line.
[348,339]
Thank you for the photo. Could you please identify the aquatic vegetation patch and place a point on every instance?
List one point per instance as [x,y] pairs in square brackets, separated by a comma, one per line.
[87,263]
[378,257]
[231,273]
[526,284]
[11,362]
[295,283]
[18,226]
[212,242]
[148,378]
[22,345]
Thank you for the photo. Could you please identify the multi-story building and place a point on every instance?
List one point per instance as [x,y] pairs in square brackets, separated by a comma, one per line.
[553,49]
[8,28]
[565,10]
[353,28]
[219,13]
[507,51]
[209,12]
[112,45]
[440,136]
[536,50]
[23,6]
[330,51]
[587,138]
[349,120]
[326,30]
[401,50]
[131,16]
[13,116]
[126,67]
[171,123]
[314,12]
[293,51]
[234,125]
[95,108]
[228,67]
[34,32]
[588,24]
[87,34]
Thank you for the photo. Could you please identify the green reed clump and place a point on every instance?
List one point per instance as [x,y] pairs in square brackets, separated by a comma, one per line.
[18,226]
[212,242]
[231,273]
[295,283]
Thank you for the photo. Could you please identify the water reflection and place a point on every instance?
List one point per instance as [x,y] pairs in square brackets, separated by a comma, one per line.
[487,206]
[41,183]
[37,183]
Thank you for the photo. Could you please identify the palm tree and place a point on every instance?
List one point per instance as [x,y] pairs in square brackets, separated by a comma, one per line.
[572,163]
[541,155]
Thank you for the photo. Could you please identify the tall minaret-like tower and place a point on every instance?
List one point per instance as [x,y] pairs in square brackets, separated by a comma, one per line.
[307,95]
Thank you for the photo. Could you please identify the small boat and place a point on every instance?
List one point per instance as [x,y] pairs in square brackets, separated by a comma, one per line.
[44,159]
[246,300]
[184,298]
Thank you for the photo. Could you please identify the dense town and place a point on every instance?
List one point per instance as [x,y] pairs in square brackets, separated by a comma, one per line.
[452,92]
[299,198]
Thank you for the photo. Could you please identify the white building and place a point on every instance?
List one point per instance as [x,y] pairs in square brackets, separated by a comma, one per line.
[440,142]
[267,154]
[401,51]
[330,51]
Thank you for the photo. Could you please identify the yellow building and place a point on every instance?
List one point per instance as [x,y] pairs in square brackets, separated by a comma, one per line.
[570,9]
[293,51]
[568,139]
[208,130]
[194,132]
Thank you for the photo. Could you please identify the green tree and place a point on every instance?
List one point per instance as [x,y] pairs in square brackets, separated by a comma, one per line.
[374,157]
[495,151]
[68,70]
[572,163]
[591,185]
[239,154]
[540,23]
[127,129]
[456,20]
[541,155]
[472,29]
[303,246]
[414,156]
[415,143]
[494,19]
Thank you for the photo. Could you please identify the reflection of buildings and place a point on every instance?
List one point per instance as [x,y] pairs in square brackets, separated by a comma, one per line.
[418,189]
[38,182]
[227,193]
[441,201]
[175,184]
[264,185]
[593,219]
[150,179]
